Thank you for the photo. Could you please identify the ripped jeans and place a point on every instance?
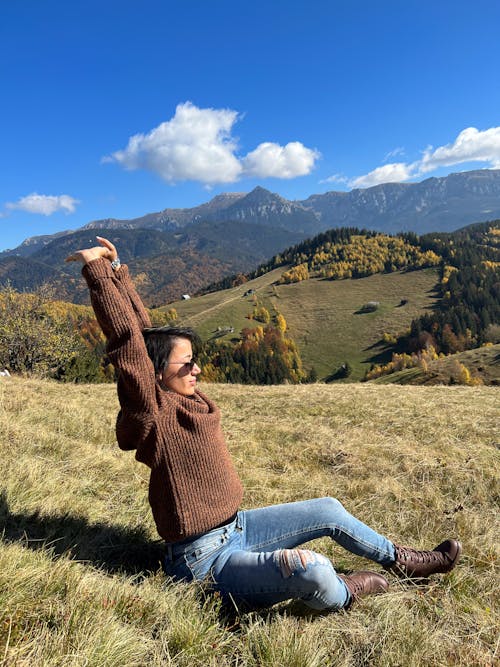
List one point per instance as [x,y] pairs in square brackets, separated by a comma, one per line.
[254,560]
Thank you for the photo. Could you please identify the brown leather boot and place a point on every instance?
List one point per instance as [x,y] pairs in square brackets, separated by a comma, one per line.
[363,583]
[413,563]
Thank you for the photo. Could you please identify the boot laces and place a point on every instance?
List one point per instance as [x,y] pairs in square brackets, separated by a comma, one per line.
[407,554]
[356,587]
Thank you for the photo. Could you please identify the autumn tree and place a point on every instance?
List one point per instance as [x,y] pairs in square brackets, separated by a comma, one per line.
[295,274]
[31,340]
[261,314]
[281,323]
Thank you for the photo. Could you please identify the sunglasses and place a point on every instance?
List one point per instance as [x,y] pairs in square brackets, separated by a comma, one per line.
[189,364]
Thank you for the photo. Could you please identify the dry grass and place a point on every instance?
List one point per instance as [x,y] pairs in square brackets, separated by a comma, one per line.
[79,576]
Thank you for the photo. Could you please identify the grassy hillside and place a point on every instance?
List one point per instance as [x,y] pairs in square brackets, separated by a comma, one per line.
[77,539]
[483,363]
[323,315]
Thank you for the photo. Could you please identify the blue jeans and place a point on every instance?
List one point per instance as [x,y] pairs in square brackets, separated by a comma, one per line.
[254,559]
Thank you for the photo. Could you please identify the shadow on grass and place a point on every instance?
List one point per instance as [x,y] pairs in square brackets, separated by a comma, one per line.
[377,345]
[235,617]
[117,549]
[381,353]
[107,547]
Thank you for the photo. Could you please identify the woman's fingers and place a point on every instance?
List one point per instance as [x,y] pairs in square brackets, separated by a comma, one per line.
[107,244]
[87,255]
[106,249]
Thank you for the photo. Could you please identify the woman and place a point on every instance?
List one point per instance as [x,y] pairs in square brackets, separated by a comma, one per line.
[195,493]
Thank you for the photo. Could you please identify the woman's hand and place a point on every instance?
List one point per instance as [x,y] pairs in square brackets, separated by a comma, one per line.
[106,249]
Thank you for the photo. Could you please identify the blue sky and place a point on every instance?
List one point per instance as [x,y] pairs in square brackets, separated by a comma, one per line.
[120,108]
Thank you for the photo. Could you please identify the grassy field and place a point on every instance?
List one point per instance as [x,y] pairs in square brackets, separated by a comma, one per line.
[80,582]
[323,315]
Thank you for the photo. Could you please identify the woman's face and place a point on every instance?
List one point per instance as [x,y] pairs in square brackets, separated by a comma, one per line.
[177,375]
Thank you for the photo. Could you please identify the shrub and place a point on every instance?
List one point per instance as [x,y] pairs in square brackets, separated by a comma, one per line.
[36,341]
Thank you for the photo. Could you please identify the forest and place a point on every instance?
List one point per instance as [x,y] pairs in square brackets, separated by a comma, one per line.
[469,289]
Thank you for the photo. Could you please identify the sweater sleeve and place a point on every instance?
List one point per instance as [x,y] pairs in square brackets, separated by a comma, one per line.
[122,316]
[125,280]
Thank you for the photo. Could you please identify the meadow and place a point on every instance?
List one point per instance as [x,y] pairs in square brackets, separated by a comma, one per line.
[80,576]
[323,316]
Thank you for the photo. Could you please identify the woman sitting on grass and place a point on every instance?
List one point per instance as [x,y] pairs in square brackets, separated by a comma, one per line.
[249,556]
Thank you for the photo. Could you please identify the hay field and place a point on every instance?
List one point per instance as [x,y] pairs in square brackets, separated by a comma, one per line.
[80,582]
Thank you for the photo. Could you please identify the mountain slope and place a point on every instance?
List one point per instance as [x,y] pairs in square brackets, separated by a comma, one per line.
[169,264]
[259,207]
[263,207]
[482,363]
[335,319]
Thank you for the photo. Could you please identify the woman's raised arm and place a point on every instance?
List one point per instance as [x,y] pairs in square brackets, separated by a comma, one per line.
[122,316]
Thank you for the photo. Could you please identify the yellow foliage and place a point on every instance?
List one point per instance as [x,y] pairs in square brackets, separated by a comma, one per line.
[364,256]
[261,314]
[161,318]
[490,265]
[389,339]
[447,271]
[400,362]
[295,274]
[281,323]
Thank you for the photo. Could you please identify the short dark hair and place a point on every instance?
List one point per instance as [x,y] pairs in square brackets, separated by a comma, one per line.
[161,340]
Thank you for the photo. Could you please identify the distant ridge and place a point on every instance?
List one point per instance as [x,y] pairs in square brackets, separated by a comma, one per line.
[171,219]
[433,205]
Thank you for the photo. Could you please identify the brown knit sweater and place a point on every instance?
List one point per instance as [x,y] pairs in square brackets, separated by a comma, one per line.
[193,485]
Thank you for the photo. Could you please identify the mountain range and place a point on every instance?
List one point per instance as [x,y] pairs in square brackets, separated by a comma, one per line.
[181,250]
[436,204]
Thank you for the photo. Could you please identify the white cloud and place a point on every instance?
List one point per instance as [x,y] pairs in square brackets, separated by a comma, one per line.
[44,204]
[271,160]
[396,152]
[388,173]
[197,145]
[471,145]
[336,178]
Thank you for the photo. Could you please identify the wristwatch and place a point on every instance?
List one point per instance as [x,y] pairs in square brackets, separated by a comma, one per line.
[115,264]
